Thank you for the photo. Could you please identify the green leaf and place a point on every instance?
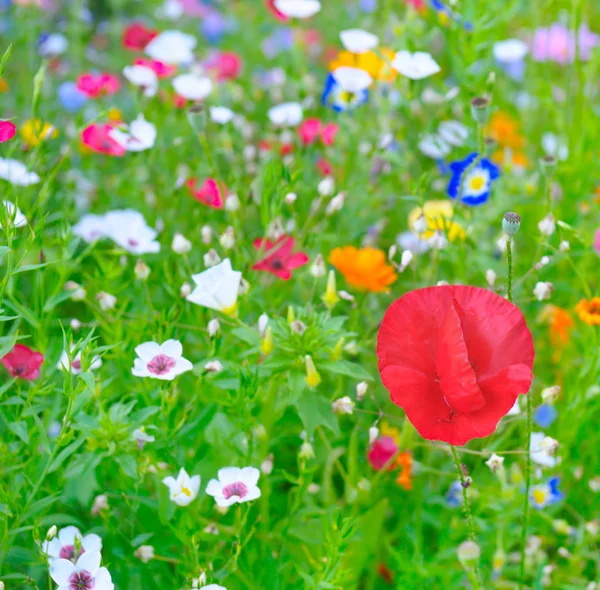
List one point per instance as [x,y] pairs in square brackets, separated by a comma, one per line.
[128,464]
[247,335]
[7,343]
[141,539]
[346,368]
[20,429]
[65,454]
[5,58]
[315,410]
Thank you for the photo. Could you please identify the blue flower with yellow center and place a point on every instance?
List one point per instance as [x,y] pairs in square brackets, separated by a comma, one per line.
[342,99]
[472,180]
[546,493]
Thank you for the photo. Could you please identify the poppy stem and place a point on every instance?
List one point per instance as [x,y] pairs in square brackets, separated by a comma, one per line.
[510,268]
[475,581]
[528,424]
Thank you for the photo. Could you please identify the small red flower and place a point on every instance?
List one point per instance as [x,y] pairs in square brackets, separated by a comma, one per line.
[225,65]
[7,131]
[162,70]
[97,138]
[381,451]
[270,5]
[312,129]
[96,85]
[136,36]
[324,167]
[455,358]
[23,362]
[209,193]
[279,259]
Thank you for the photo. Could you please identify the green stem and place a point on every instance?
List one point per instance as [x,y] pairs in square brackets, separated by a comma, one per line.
[528,424]
[509,261]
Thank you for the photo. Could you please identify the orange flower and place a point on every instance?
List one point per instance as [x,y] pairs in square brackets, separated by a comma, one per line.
[505,130]
[560,324]
[365,268]
[3,86]
[404,461]
[589,311]
[377,67]
[508,157]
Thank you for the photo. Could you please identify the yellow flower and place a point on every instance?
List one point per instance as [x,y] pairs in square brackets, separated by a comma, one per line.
[114,115]
[438,215]
[377,66]
[34,132]
[589,311]
[312,375]
[266,344]
[365,268]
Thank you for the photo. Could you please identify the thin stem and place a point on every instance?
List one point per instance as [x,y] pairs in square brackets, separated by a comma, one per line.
[528,426]
[509,261]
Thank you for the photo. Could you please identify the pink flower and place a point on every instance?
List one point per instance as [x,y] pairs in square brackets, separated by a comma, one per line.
[225,65]
[324,167]
[136,36]
[97,138]
[312,129]
[96,85]
[557,44]
[597,242]
[270,5]
[382,450]
[209,193]
[279,259]
[7,131]
[161,69]
[23,362]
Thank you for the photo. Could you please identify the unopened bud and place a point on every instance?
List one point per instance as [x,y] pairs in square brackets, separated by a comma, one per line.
[480,109]
[51,533]
[468,554]
[511,222]
[141,270]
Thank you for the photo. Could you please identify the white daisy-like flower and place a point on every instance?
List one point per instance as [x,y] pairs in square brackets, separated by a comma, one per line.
[543,290]
[16,173]
[14,214]
[217,288]
[160,361]
[221,115]
[353,80]
[63,545]
[140,135]
[415,66]
[286,114]
[193,86]
[85,574]
[298,8]
[53,45]
[358,40]
[143,77]
[184,489]
[234,486]
[129,230]
[172,47]
[90,228]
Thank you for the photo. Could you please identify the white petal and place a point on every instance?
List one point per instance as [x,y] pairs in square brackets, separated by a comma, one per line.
[214,488]
[352,79]
[249,476]
[60,570]
[298,8]
[228,475]
[91,543]
[67,535]
[172,348]
[90,562]
[148,350]
[358,41]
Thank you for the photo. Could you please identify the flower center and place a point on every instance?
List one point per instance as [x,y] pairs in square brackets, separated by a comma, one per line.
[68,552]
[76,364]
[161,364]
[82,580]
[277,264]
[237,488]
[477,183]
[133,242]
[539,496]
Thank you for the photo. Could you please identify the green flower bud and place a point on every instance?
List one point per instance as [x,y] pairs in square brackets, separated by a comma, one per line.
[480,109]
[511,223]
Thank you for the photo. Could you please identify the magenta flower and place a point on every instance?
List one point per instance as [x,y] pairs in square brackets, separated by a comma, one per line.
[557,44]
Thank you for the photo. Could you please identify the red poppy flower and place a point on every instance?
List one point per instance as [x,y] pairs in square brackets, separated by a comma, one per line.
[381,451]
[455,358]
[97,138]
[270,4]
[136,36]
[225,65]
[23,362]
[162,70]
[312,129]
[209,193]
[7,131]
[96,85]
[279,259]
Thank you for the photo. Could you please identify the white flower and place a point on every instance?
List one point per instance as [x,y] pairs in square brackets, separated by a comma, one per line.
[83,575]
[172,47]
[548,225]
[90,228]
[100,503]
[171,9]
[539,454]
[184,489]
[142,437]
[361,390]
[495,463]
[180,244]
[543,290]
[415,66]
[129,230]
[553,146]
[405,259]
[193,86]
[213,587]
[353,80]
[564,246]
[343,405]
[13,211]
[54,44]
[263,321]
[217,288]
[16,173]
[453,132]
[106,300]
[221,115]
[298,8]
[550,394]
[326,186]
[358,41]
[63,545]
[142,77]
[317,268]
[160,361]
[510,51]
[490,277]
[139,136]
[213,366]
[144,553]
[234,485]
[433,146]
[63,363]
[287,113]
[438,240]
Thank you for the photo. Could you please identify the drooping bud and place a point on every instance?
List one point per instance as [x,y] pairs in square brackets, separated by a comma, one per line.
[331,297]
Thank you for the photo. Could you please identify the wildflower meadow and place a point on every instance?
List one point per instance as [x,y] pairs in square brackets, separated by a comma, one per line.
[299,294]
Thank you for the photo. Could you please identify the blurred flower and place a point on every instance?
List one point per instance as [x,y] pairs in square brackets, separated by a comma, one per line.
[297,8]
[193,86]
[224,65]
[7,131]
[364,268]
[106,300]
[144,553]
[545,494]
[358,40]
[346,88]
[71,98]
[343,405]
[141,437]
[510,56]
[287,114]
[472,180]
[454,495]
[172,47]
[405,462]
[75,364]
[543,290]
[504,129]
[278,258]
[428,338]
[381,453]
[221,115]
[184,489]
[68,540]
[14,215]
[138,136]
[311,130]
[180,244]
[136,36]
[208,193]
[416,66]
[161,69]
[437,216]
[160,361]
[16,173]
[97,138]
[558,44]
[52,45]
[23,362]
[560,325]
[547,225]
[234,486]
[545,415]
[588,311]
[96,85]
[539,450]
[495,463]
[85,574]
[217,288]
[143,77]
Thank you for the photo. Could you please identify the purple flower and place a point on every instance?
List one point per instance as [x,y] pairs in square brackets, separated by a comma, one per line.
[557,44]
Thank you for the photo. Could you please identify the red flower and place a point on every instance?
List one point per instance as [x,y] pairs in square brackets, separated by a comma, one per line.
[270,4]
[136,36]
[7,131]
[23,362]
[209,193]
[225,65]
[279,259]
[96,85]
[311,129]
[455,358]
[382,450]
[324,167]
[97,138]
[162,70]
